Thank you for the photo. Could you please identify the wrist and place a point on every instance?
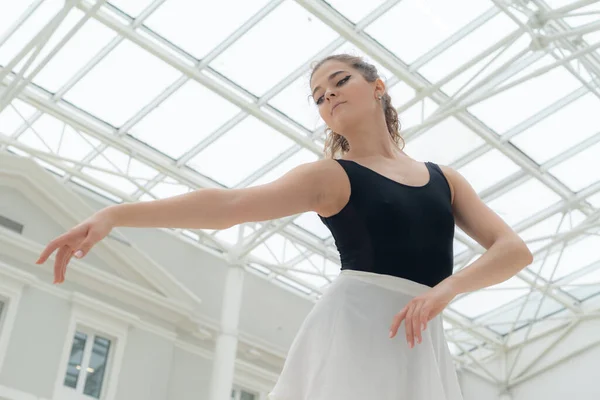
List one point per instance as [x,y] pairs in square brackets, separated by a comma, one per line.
[110,215]
[452,285]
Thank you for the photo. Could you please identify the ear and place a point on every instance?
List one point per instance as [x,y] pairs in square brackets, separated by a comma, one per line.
[379,88]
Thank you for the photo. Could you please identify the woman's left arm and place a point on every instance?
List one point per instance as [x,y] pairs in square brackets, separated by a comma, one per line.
[506,253]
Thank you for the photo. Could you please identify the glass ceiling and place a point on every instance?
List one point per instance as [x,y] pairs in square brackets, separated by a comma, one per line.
[145,99]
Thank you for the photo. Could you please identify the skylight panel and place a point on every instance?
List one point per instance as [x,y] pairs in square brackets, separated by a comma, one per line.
[542,233]
[355,10]
[129,74]
[194,26]
[510,107]
[14,116]
[112,160]
[523,201]
[488,169]
[444,143]
[87,42]
[483,301]
[581,170]
[578,254]
[51,135]
[561,130]
[184,119]
[11,12]
[468,47]
[243,149]
[480,71]
[275,47]
[131,7]
[431,22]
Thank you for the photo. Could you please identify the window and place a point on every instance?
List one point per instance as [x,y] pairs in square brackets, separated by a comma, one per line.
[247,396]
[11,286]
[1,313]
[88,361]
[241,394]
[93,351]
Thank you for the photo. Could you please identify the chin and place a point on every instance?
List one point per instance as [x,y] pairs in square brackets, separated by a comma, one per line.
[343,122]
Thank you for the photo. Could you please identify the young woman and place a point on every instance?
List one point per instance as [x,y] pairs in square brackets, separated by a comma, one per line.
[393,222]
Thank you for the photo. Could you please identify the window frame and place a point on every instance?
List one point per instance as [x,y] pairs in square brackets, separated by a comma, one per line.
[94,317]
[91,335]
[237,389]
[12,283]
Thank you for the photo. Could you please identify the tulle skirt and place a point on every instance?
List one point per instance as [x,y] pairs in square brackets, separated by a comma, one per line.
[342,350]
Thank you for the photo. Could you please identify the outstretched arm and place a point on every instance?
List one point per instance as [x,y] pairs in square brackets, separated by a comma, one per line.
[301,189]
[297,191]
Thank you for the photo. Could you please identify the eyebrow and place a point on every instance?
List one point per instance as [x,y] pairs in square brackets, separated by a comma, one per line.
[330,78]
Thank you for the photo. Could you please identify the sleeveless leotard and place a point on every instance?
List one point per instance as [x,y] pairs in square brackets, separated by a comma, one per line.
[391,228]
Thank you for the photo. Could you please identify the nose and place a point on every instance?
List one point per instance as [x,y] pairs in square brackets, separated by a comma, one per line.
[329,93]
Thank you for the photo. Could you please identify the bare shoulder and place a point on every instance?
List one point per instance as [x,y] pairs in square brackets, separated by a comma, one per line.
[452,176]
[333,186]
[320,171]
[473,216]
[307,187]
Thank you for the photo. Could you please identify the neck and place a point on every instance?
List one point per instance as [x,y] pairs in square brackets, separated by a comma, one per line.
[372,140]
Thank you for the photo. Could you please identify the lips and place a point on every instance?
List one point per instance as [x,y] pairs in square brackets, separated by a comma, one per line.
[334,107]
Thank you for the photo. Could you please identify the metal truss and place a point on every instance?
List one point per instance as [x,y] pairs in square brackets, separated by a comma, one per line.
[549,36]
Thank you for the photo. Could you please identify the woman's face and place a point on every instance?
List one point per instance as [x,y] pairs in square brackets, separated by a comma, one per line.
[343,96]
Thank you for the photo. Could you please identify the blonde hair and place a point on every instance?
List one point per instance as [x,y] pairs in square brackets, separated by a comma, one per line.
[336,143]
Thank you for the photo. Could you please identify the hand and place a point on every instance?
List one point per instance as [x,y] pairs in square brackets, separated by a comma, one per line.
[77,242]
[422,309]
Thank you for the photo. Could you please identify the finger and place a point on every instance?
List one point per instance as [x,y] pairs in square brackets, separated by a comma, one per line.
[47,252]
[63,272]
[397,321]
[424,317]
[63,240]
[416,322]
[61,256]
[408,325]
[84,248]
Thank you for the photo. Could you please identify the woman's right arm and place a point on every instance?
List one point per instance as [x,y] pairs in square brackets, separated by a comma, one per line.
[299,190]
[304,188]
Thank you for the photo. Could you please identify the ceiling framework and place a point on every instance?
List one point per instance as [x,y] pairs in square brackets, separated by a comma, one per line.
[548,193]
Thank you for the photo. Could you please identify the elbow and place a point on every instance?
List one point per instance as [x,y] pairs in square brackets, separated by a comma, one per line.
[515,248]
[528,256]
[525,255]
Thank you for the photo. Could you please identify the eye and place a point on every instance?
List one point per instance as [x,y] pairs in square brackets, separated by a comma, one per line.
[319,100]
[343,81]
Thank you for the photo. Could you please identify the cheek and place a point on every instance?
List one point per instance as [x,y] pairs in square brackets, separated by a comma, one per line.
[323,113]
[359,97]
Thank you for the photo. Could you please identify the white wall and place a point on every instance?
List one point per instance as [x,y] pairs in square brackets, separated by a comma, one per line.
[153,368]
[190,376]
[36,343]
[146,368]
[38,226]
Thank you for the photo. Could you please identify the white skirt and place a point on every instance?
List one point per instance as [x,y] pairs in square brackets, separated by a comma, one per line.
[343,350]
